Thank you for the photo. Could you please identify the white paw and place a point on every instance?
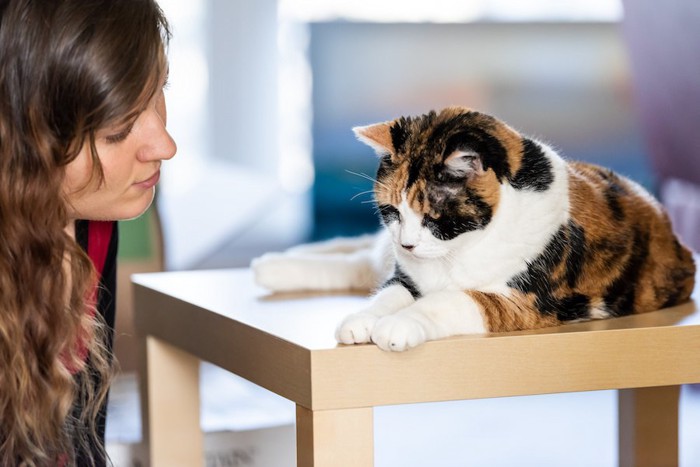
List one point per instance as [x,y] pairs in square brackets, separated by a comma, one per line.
[398,332]
[356,328]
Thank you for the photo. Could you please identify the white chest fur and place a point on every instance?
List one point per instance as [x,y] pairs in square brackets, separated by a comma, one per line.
[521,227]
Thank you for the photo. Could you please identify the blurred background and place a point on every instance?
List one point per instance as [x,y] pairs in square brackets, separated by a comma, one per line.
[263,95]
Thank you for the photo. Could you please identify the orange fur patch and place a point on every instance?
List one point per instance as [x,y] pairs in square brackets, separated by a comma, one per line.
[510,313]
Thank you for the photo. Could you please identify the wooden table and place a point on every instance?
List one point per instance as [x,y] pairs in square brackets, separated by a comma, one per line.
[285,343]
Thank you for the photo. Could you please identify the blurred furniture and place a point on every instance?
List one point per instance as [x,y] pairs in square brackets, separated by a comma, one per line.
[664,47]
[285,343]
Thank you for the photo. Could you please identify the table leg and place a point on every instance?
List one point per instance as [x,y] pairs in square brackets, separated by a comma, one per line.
[170,406]
[648,426]
[335,438]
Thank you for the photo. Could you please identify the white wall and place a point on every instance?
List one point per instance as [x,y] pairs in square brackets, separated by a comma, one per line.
[223,190]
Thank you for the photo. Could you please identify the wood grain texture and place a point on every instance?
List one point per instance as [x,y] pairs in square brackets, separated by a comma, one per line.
[478,367]
[335,438]
[172,428]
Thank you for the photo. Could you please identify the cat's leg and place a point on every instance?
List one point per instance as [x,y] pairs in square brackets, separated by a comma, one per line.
[280,272]
[434,316]
[335,245]
[357,328]
[452,313]
[326,267]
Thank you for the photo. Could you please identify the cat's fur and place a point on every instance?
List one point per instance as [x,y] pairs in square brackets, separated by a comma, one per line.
[490,231]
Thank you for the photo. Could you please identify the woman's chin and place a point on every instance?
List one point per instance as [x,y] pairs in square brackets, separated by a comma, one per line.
[136,207]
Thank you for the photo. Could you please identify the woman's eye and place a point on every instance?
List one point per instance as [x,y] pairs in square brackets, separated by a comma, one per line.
[120,136]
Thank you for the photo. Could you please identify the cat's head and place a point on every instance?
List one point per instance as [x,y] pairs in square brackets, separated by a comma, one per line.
[440,175]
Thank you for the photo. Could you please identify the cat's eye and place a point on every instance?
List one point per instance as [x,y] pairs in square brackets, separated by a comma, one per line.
[389,213]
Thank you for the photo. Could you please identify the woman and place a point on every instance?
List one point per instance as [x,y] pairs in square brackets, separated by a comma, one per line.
[82,137]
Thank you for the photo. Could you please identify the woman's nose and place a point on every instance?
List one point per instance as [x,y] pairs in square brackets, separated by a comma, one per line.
[169,147]
[158,144]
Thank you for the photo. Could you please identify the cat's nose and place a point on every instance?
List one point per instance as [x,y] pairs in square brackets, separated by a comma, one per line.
[408,247]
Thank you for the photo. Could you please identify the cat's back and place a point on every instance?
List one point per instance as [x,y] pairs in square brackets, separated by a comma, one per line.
[630,249]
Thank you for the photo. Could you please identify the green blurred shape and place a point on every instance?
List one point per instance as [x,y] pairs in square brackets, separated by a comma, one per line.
[135,240]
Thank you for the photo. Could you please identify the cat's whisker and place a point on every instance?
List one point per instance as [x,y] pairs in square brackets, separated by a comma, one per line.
[367,177]
[362,193]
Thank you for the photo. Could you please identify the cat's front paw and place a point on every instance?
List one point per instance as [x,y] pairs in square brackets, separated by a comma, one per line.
[398,332]
[356,328]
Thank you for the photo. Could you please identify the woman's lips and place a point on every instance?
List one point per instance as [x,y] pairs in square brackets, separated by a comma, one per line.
[149,182]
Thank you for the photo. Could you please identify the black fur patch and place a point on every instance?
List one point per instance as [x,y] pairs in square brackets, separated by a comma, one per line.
[385,166]
[454,222]
[414,171]
[536,170]
[389,213]
[538,278]
[470,131]
[612,196]
[576,257]
[613,191]
[538,275]
[620,295]
[399,134]
[674,295]
[400,277]
[573,307]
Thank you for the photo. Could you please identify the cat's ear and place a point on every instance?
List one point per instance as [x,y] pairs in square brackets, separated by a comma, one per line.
[464,163]
[377,136]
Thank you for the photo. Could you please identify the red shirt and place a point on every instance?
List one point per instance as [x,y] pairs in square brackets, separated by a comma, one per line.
[99,240]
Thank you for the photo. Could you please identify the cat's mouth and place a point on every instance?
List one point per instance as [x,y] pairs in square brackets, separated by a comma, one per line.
[418,253]
[401,250]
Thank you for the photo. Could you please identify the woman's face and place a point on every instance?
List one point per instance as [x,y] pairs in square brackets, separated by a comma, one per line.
[130,156]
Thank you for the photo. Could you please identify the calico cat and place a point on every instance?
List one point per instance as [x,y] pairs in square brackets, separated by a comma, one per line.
[486,230]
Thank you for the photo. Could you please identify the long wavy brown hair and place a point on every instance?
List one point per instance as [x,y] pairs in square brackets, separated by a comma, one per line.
[67,69]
